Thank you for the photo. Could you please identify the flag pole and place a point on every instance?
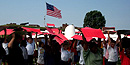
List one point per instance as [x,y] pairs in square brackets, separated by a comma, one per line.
[45,16]
[45,21]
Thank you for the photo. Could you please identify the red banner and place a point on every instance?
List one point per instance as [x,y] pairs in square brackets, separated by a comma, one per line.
[91,32]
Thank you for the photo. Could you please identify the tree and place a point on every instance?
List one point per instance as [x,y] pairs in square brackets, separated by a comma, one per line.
[94,19]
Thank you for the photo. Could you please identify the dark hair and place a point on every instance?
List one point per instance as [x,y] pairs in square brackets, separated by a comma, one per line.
[92,44]
[30,38]
[65,43]
[128,48]
[23,43]
[113,41]
[125,42]
[18,40]
[81,42]
[93,40]
[40,43]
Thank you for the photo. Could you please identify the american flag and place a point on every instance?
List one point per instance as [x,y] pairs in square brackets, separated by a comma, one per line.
[53,11]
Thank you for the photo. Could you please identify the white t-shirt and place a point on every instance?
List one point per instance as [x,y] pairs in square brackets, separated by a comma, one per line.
[113,54]
[41,52]
[30,48]
[65,55]
[104,50]
[5,46]
[25,53]
[80,48]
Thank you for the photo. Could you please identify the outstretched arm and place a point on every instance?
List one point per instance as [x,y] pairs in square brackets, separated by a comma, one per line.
[109,40]
[5,35]
[36,40]
[45,39]
[75,42]
[11,41]
[99,42]
[104,42]
[85,45]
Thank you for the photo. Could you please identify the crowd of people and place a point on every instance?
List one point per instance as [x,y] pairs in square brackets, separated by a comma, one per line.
[20,50]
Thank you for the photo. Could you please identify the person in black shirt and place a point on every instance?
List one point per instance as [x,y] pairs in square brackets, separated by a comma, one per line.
[15,53]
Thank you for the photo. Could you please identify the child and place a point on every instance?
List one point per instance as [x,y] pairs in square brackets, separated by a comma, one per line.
[112,50]
[80,48]
[65,54]
[41,52]
[30,49]
[74,51]
[91,53]
[125,57]
[2,52]
[15,53]
[105,53]
[5,46]
[24,50]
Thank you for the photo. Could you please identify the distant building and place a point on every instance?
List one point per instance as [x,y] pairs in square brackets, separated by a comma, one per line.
[12,24]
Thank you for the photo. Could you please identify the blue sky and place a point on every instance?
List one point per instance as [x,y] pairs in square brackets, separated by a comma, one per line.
[116,12]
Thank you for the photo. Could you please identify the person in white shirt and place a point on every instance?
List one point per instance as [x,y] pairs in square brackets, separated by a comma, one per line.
[5,46]
[5,58]
[80,48]
[2,52]
[41,52]
[24,50]
[112,50]
[30,49]
[65,54]
[105,52]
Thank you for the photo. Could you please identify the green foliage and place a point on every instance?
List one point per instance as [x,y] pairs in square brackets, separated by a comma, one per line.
[94,19]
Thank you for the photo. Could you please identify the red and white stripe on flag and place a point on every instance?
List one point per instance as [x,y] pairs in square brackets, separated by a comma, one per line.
[56,13]
[50,24]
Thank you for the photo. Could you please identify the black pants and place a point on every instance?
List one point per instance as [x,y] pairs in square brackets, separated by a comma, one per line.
[64,63]
[5,58]
[30,59]
[106,61]
[111,63]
